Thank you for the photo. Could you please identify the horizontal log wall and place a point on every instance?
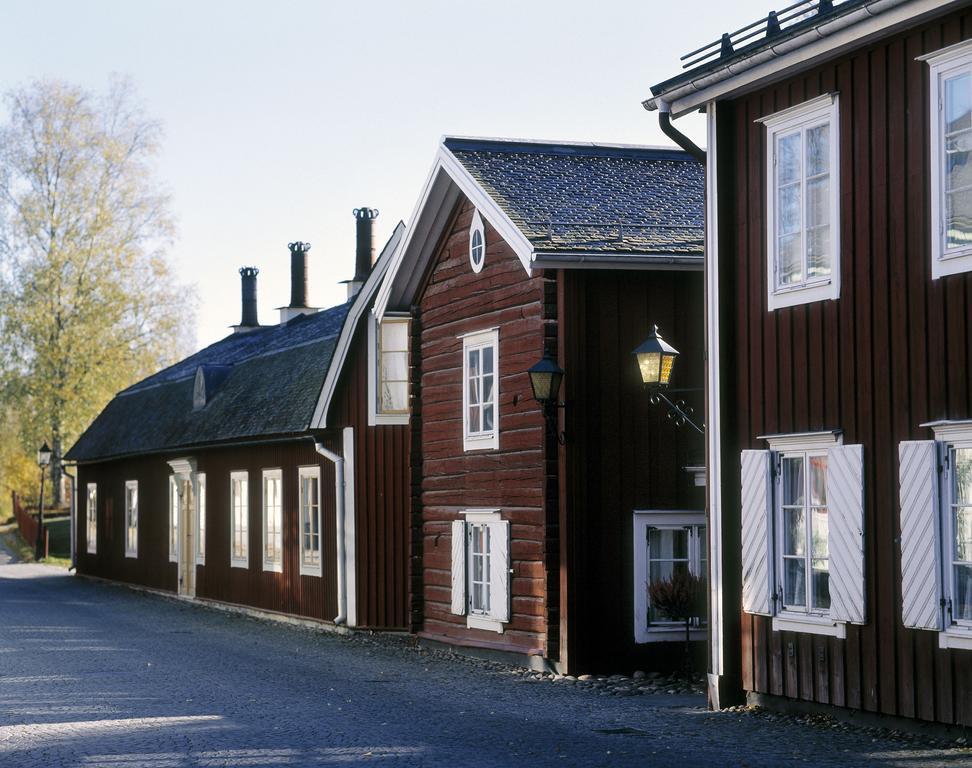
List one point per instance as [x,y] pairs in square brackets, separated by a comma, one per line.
[894,351]
[457,301]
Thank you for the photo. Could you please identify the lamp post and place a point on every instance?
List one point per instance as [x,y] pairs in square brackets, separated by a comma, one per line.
[545,379]
[43,459]
[656,359]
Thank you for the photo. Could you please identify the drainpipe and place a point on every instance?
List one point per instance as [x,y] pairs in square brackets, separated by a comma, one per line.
[665,122]
[74,509]
[342,583]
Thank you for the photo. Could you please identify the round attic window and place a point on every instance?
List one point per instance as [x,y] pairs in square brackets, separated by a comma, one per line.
[477,243]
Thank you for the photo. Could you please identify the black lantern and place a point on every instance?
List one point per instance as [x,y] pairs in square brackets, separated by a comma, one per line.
[43,455]
[656,358]
[545,378]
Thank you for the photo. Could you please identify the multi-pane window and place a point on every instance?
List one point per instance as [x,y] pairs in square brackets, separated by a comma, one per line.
[959,539]
[309,479]
[239,519]
[951,160]
[804,532]
[201,518]
[393,366]
[131,518]
[174,509]
[480,395]
[671,550]
[91,519]
[478,567]
[802,212]
[272,521]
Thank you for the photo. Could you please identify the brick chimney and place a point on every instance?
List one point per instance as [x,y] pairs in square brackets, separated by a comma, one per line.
[298,283]
[248,285]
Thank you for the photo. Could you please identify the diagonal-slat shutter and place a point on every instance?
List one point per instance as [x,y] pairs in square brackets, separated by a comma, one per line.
[499,570]
[921,592]
[845,502]
[757,533]
[459,567]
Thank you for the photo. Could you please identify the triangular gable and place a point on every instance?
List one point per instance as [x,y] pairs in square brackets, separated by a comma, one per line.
[358,310]
[445,183]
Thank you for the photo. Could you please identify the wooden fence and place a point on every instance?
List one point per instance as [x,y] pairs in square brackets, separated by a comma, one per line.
[27,524]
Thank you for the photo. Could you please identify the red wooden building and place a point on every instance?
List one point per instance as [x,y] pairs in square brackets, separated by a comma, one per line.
[252,473]
[839,342]
[530,539]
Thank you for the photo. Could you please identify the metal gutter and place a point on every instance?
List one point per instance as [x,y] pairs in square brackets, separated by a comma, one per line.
[342,588]
[660,262]
[853,29]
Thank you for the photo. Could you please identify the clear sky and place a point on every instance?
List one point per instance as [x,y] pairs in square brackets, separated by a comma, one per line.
[281,117]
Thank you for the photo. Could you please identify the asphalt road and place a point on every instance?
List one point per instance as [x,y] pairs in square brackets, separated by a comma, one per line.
[98,675]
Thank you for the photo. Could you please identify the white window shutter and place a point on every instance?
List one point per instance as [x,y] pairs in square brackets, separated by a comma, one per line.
[757,533]
[845,502]
[921,592]
[499,570]
[459,567]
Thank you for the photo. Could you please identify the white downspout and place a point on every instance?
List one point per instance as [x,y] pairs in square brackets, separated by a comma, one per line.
[342,585]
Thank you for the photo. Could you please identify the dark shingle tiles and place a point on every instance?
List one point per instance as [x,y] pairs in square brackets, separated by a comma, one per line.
[582,197]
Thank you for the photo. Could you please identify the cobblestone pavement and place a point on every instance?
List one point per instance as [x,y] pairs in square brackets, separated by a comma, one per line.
[98,675]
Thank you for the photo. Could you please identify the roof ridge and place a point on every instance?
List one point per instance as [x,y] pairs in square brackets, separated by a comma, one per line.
[508,144]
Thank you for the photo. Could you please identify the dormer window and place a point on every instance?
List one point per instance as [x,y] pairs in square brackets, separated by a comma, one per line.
[477,243]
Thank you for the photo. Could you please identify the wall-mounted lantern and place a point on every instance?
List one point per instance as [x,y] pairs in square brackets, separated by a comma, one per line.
[545,379]
[656,359]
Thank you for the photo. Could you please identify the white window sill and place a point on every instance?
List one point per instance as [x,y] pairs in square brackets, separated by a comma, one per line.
[484,622]
[811,625]
[955,263]
[955,637]
[273,567]
[200,560]
[805,294]
[481,443]
[239,563]
[387,419]
[310,570]
[132,555]
[173,559]
[669,634]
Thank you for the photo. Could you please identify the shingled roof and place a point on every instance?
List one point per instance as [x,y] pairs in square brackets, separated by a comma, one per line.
[591,198]
[267,385]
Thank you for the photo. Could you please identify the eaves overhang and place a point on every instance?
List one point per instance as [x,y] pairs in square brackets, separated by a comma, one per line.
[613,260]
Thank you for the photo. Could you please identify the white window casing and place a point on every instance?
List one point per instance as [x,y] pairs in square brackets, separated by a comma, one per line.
[495,593]
[201,518]
[91,520]
[239,513]
[477,243]
[845,497]
[388,386]
[950,161]
[919,528]
[480,390]
[173,519]
[131,518]
[309,509]
[757,533]
[690,523]
[802,203]
[272,515]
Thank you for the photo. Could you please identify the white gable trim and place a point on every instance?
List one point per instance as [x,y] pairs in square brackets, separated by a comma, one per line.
[361,302]
[447,179]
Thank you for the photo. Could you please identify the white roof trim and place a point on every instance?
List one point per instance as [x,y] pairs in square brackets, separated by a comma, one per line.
[853,30]
[358,308]
[430,216]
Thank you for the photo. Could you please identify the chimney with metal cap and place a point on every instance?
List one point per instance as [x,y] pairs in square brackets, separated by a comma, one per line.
[248,278]
[365,248]
[298,274]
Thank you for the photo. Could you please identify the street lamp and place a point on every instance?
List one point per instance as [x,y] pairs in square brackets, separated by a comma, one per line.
[43,459]
[656,359]
[545,379]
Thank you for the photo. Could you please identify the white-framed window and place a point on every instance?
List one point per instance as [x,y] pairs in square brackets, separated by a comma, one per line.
[802,203]
[936,533]
[950,103]
[803,532]
[239,519]
[131,518]
[481,569]
[309,502]
[272,520]
[91,520]
[174,518]
[666,541]
[477,243]
[201,518]
[480,391]
[388,369]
